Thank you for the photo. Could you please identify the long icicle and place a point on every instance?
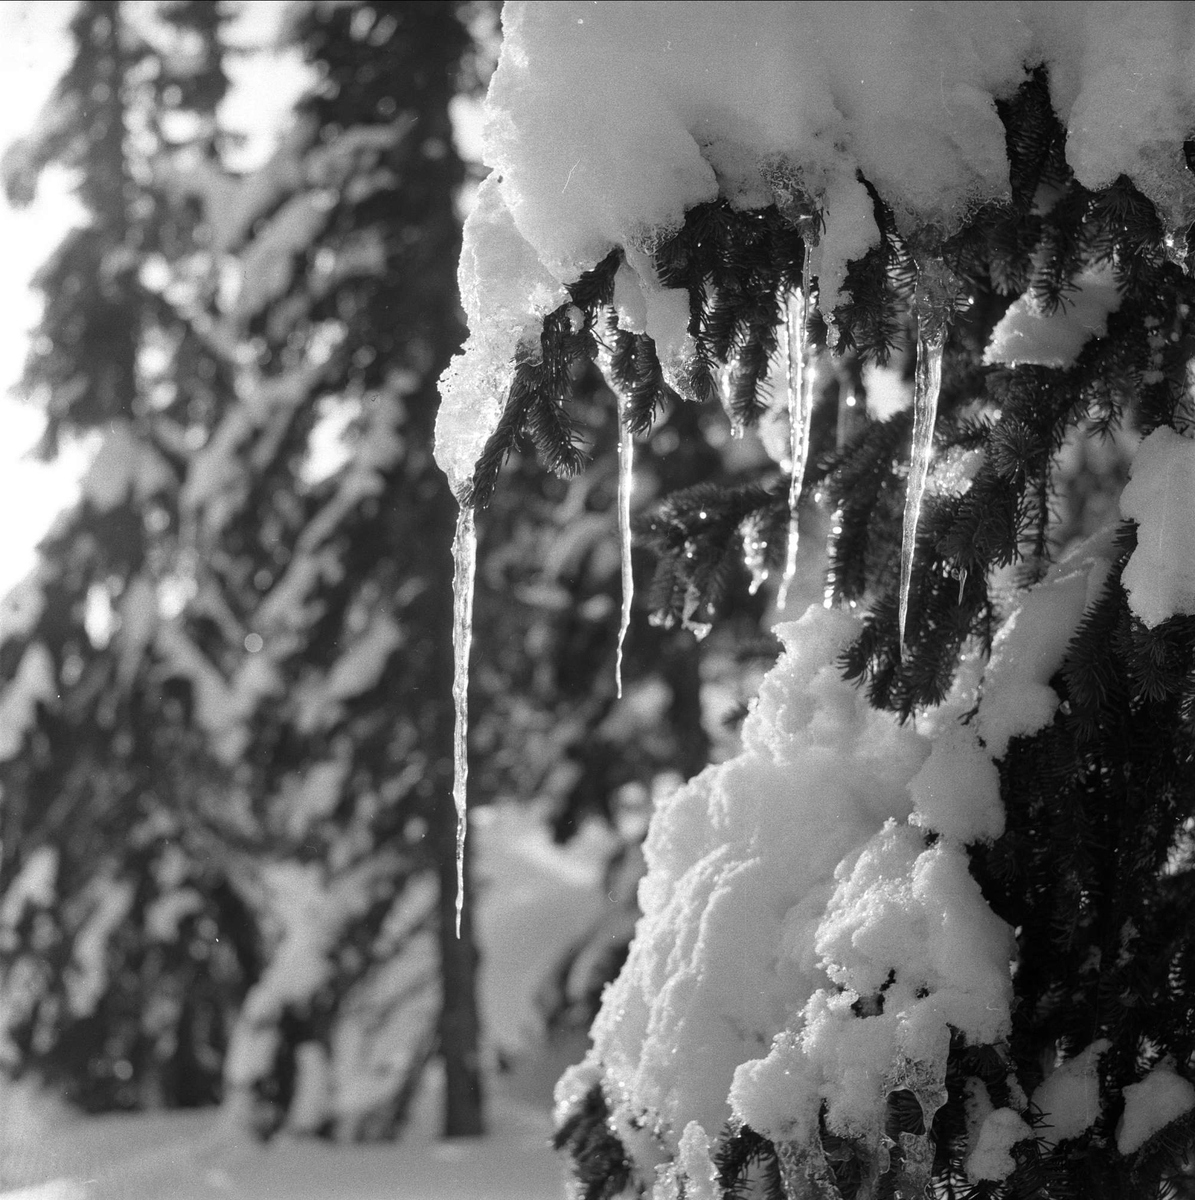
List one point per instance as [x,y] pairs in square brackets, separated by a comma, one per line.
[800,405]
[464,556]
[926,385]
[626,463]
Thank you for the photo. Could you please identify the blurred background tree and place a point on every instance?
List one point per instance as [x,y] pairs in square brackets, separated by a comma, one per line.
[114,983]
[228,843]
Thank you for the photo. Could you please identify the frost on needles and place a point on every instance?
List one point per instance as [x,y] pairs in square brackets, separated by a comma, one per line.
[934,923]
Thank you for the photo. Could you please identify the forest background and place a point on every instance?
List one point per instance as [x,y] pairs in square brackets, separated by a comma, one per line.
[226,846]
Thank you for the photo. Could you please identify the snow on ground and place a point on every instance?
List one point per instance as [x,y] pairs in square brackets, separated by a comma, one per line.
[192,1156]
[534,900]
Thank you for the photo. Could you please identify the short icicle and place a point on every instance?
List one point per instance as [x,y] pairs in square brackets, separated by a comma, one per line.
[464,554]
[626,481]
[926,385]
[800,406]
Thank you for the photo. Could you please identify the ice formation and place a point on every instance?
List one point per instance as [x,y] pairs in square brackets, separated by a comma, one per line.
[464,552]
[626,480]
[927,383]
[799,388]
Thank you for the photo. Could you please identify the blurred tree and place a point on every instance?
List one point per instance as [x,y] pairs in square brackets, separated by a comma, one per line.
[114,981]
[319,618]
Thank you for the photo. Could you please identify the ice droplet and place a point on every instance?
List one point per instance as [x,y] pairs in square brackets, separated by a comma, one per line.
[800,406]
[926,385]
[626,480]
[464,557]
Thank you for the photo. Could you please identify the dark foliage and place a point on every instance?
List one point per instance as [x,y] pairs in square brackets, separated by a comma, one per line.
[600,1164]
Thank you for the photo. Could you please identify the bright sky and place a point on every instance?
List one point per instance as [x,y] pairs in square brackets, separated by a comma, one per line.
[33,54]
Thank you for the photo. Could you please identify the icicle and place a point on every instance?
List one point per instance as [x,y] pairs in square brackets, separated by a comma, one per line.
[926,385]
[464,555]
[800,406]
[755,551]
[804,1171]
[831,546]
[626,464]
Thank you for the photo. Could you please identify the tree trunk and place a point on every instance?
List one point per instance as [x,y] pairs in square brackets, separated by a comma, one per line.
[460,1026]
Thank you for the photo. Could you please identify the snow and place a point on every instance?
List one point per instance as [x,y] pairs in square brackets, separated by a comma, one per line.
[34,683]
[196,1156]
[315,794]
[506,293]
[803,938]
[1160,497]
[887,391]
[22,607]
[1029,647]
[125,468]
[269,263]
[767,103]
[741,864]
[957,791]
[309,912]
[223,706]
[87,973]
[695,1166]
[1069,1097]
[521,876]
[907,924]
[1029,333]
[992,1156]
[357,670]
[1122,77]
[1161,1097]
[34,885]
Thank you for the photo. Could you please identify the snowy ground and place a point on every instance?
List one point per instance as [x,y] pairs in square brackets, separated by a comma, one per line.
[47,1153]
[186,1156]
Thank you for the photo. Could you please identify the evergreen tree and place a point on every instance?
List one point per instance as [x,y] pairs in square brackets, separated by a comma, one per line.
[1087,1091]
[113,980]
[322,594]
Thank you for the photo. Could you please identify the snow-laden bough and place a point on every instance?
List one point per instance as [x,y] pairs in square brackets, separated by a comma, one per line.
[811,935]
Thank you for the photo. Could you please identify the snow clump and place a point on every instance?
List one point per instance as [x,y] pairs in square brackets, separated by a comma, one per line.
[1069,1097]
[1029,333]
[1161,1097]
[1160,575]
[992,1157]
[811,932]
[787,104]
